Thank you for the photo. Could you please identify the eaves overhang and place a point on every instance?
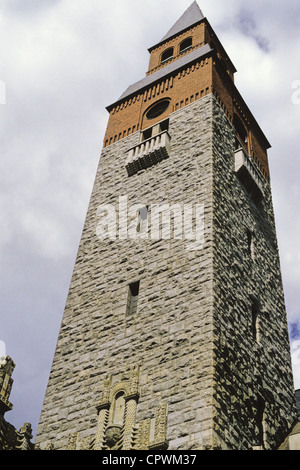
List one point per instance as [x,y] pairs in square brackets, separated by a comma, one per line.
[201,52]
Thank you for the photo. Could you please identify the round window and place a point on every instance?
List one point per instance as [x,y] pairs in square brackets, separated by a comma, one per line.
[157,109]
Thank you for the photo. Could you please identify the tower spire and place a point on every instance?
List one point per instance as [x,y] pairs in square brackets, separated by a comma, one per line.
[191,16]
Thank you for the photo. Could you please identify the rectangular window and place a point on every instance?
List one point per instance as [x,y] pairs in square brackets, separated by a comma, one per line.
[155,130]
[142,217]
[132,301]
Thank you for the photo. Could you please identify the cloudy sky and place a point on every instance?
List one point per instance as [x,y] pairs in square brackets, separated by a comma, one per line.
[61,63]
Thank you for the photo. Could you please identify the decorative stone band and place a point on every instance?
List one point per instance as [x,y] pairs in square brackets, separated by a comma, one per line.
[148,153]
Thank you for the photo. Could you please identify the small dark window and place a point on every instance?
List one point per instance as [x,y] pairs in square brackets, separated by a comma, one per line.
[167,54]
[260,422]
[240,129]
[155,130]
[132,301]
[157,109]
[147,134]
[186,44]
[164,126]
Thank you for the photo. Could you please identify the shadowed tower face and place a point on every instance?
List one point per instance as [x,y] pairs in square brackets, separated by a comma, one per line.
[174,333]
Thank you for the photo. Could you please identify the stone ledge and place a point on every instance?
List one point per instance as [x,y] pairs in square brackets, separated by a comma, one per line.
[148,153]
[248,174]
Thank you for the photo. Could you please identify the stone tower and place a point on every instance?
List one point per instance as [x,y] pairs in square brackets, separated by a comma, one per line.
[174,334]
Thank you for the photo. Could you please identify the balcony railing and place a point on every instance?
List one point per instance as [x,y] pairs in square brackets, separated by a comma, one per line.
[148,153]
[249,174]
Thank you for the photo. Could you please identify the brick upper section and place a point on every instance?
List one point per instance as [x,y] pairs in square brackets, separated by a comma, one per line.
[200,74]
[197,34]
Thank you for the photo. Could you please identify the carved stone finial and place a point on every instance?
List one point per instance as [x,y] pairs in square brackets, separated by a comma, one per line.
[134,380]
[26,430]
[25,434]
[7,366]
[105,403]
[160,432]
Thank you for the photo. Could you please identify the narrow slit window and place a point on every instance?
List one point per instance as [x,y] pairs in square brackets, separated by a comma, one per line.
[260,423]
[250,244]
[255,320]
[133,294]
[142,225]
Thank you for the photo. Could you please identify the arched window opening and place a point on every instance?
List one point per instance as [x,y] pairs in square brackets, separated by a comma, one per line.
[119,409]
[241,132]
[186,44]
[167,54]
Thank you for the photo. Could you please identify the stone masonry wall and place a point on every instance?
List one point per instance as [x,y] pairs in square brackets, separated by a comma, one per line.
[193,334]
[170,337]
[249,371]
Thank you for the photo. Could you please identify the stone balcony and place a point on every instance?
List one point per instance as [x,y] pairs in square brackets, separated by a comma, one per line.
[148,153]
[249,174]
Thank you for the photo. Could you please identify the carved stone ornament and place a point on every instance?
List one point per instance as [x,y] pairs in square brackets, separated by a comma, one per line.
[117,428]
[113,435]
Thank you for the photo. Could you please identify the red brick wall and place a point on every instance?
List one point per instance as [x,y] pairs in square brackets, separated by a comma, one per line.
[210,75]
[197,33]
[182,88]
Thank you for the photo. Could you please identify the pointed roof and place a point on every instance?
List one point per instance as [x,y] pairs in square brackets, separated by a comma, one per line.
[190,17]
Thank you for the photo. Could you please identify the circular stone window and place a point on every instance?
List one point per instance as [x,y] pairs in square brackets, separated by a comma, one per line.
[157,109]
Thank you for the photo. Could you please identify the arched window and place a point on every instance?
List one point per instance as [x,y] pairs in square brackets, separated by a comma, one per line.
[240,129]
[167,54]
[186,44]
[119,409]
